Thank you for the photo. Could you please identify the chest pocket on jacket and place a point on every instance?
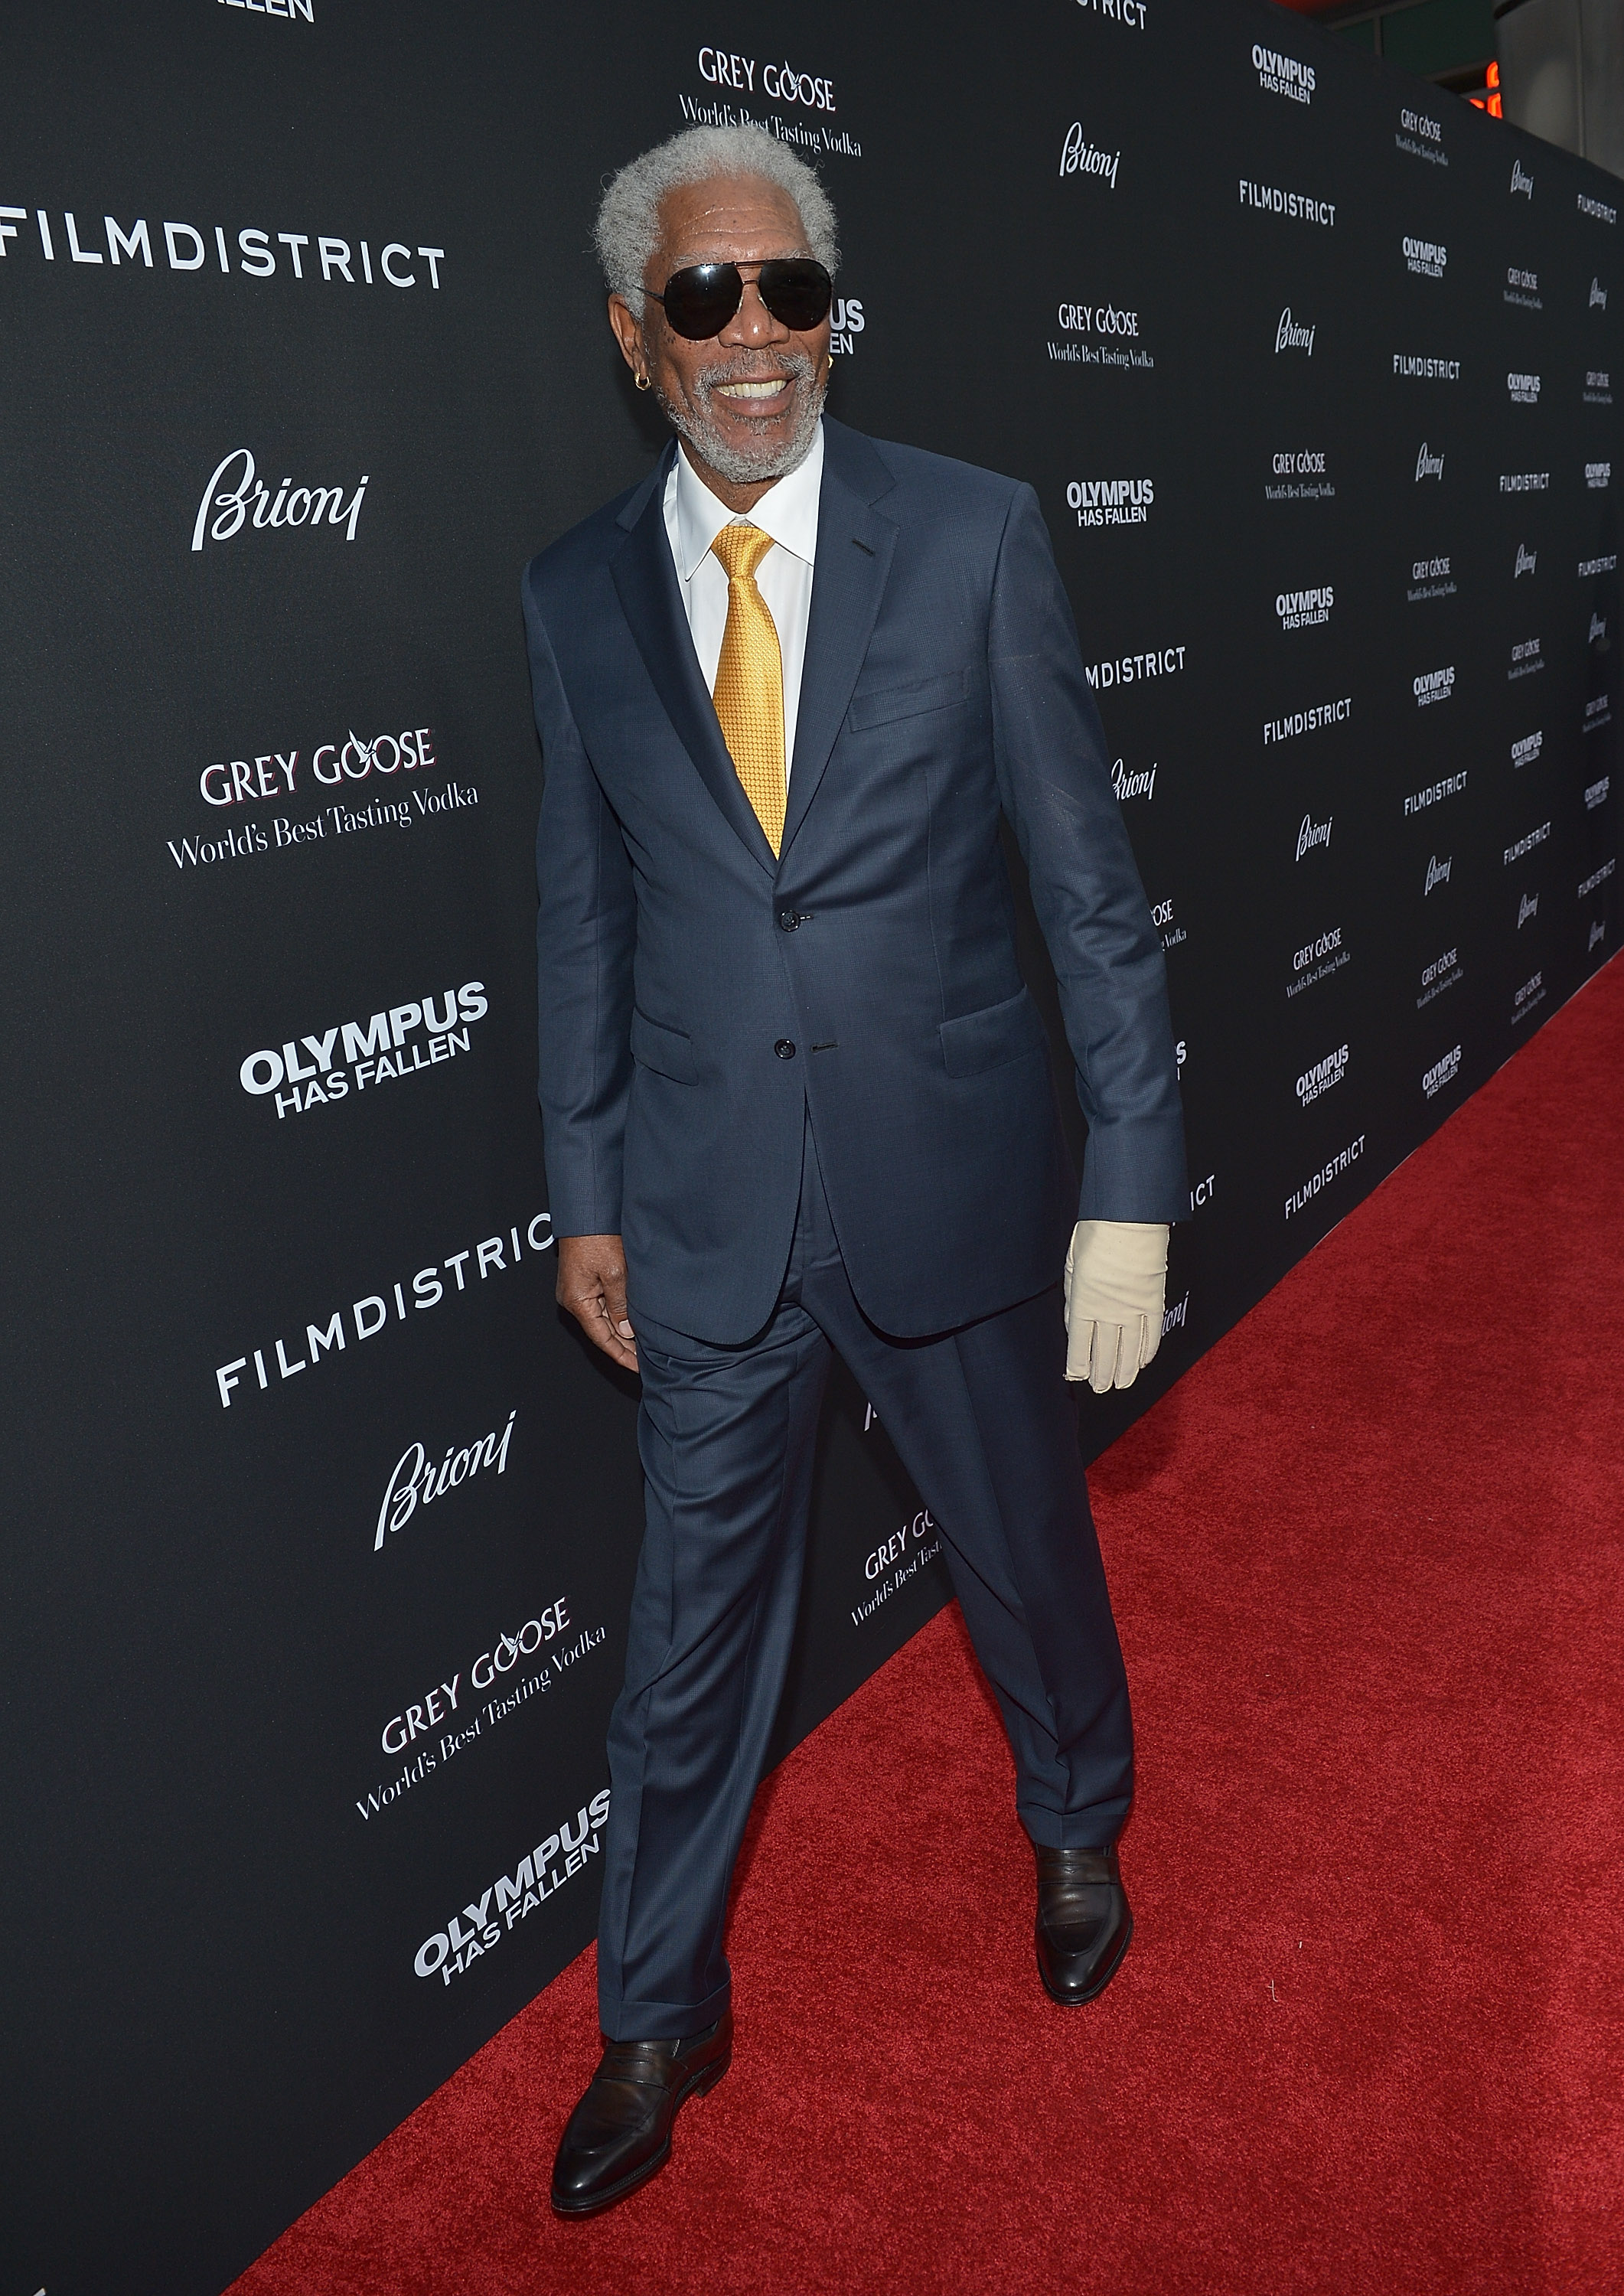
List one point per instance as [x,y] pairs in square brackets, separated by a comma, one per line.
[893,701]
[665,1050]
[992,1037]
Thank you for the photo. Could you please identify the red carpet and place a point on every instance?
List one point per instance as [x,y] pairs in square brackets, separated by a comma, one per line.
[1369,2037]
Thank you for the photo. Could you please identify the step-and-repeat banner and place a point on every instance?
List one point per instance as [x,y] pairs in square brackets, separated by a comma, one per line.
[322,1523]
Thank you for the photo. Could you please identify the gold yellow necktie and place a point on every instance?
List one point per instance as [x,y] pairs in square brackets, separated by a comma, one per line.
[749,694]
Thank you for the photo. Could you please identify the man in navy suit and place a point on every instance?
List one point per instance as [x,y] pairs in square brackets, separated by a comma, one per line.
[796,1098]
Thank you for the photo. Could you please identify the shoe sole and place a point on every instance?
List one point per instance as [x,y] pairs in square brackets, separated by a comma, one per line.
[701,2085]
[1076,2000]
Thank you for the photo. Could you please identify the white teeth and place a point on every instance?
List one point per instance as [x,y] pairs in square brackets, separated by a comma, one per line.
[752,390]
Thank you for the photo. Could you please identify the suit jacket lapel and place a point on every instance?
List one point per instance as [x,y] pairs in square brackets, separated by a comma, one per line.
[646,581]
[854,555]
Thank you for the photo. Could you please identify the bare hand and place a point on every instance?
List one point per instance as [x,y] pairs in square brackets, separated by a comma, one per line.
[591,1285]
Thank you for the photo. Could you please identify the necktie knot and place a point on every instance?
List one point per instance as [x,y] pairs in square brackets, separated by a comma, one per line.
[742,549]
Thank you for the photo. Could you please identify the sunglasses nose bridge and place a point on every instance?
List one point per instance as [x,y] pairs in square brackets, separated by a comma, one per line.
[752,320]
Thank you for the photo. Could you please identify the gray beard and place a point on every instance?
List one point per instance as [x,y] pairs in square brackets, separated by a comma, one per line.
[742,466]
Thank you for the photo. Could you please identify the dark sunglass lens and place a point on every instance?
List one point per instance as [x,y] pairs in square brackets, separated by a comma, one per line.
[700,301]
[797,292]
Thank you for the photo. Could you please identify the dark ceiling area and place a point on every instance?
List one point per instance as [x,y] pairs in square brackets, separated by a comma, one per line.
[1449,41]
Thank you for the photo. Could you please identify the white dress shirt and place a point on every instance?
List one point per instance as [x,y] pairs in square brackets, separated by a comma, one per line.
[788,511]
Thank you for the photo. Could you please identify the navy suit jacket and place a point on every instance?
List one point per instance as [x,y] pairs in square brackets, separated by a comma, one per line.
[697,996]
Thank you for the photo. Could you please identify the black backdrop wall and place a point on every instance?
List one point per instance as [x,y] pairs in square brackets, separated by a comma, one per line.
[321,1524]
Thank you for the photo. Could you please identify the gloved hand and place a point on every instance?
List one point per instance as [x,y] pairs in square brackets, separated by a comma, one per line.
[1116,1287]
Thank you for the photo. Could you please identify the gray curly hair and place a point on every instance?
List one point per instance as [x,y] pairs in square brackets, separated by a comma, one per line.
[628,229]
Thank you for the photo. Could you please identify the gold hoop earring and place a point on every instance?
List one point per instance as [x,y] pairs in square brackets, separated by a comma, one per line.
[643,382]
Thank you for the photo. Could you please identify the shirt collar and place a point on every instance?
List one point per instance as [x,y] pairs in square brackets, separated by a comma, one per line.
[788,511]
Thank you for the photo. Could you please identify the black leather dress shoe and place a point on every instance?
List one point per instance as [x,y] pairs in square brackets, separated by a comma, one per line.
[1084,1922]
[619,2134]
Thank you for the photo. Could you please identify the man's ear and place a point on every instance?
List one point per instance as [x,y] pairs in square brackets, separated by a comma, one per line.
[628,334]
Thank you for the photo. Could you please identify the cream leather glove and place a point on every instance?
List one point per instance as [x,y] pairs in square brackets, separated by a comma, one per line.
[1116,1287]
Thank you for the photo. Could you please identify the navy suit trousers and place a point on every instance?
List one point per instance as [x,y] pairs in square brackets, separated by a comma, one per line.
[986,1425]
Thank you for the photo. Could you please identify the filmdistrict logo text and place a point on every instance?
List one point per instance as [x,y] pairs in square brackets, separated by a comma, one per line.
[1526,844]
[337,261]
[1133,669]
[1128,13]
[1308,721]
[326,1342]
[1333,1170]
[1435,792]
[1298,207]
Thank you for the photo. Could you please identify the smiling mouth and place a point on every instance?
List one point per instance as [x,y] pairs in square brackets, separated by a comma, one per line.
[747,391]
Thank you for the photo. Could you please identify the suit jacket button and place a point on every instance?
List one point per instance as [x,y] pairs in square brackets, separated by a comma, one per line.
[784,1049]
[787,920]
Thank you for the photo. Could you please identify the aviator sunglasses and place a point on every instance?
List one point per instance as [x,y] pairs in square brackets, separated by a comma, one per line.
[700,301]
